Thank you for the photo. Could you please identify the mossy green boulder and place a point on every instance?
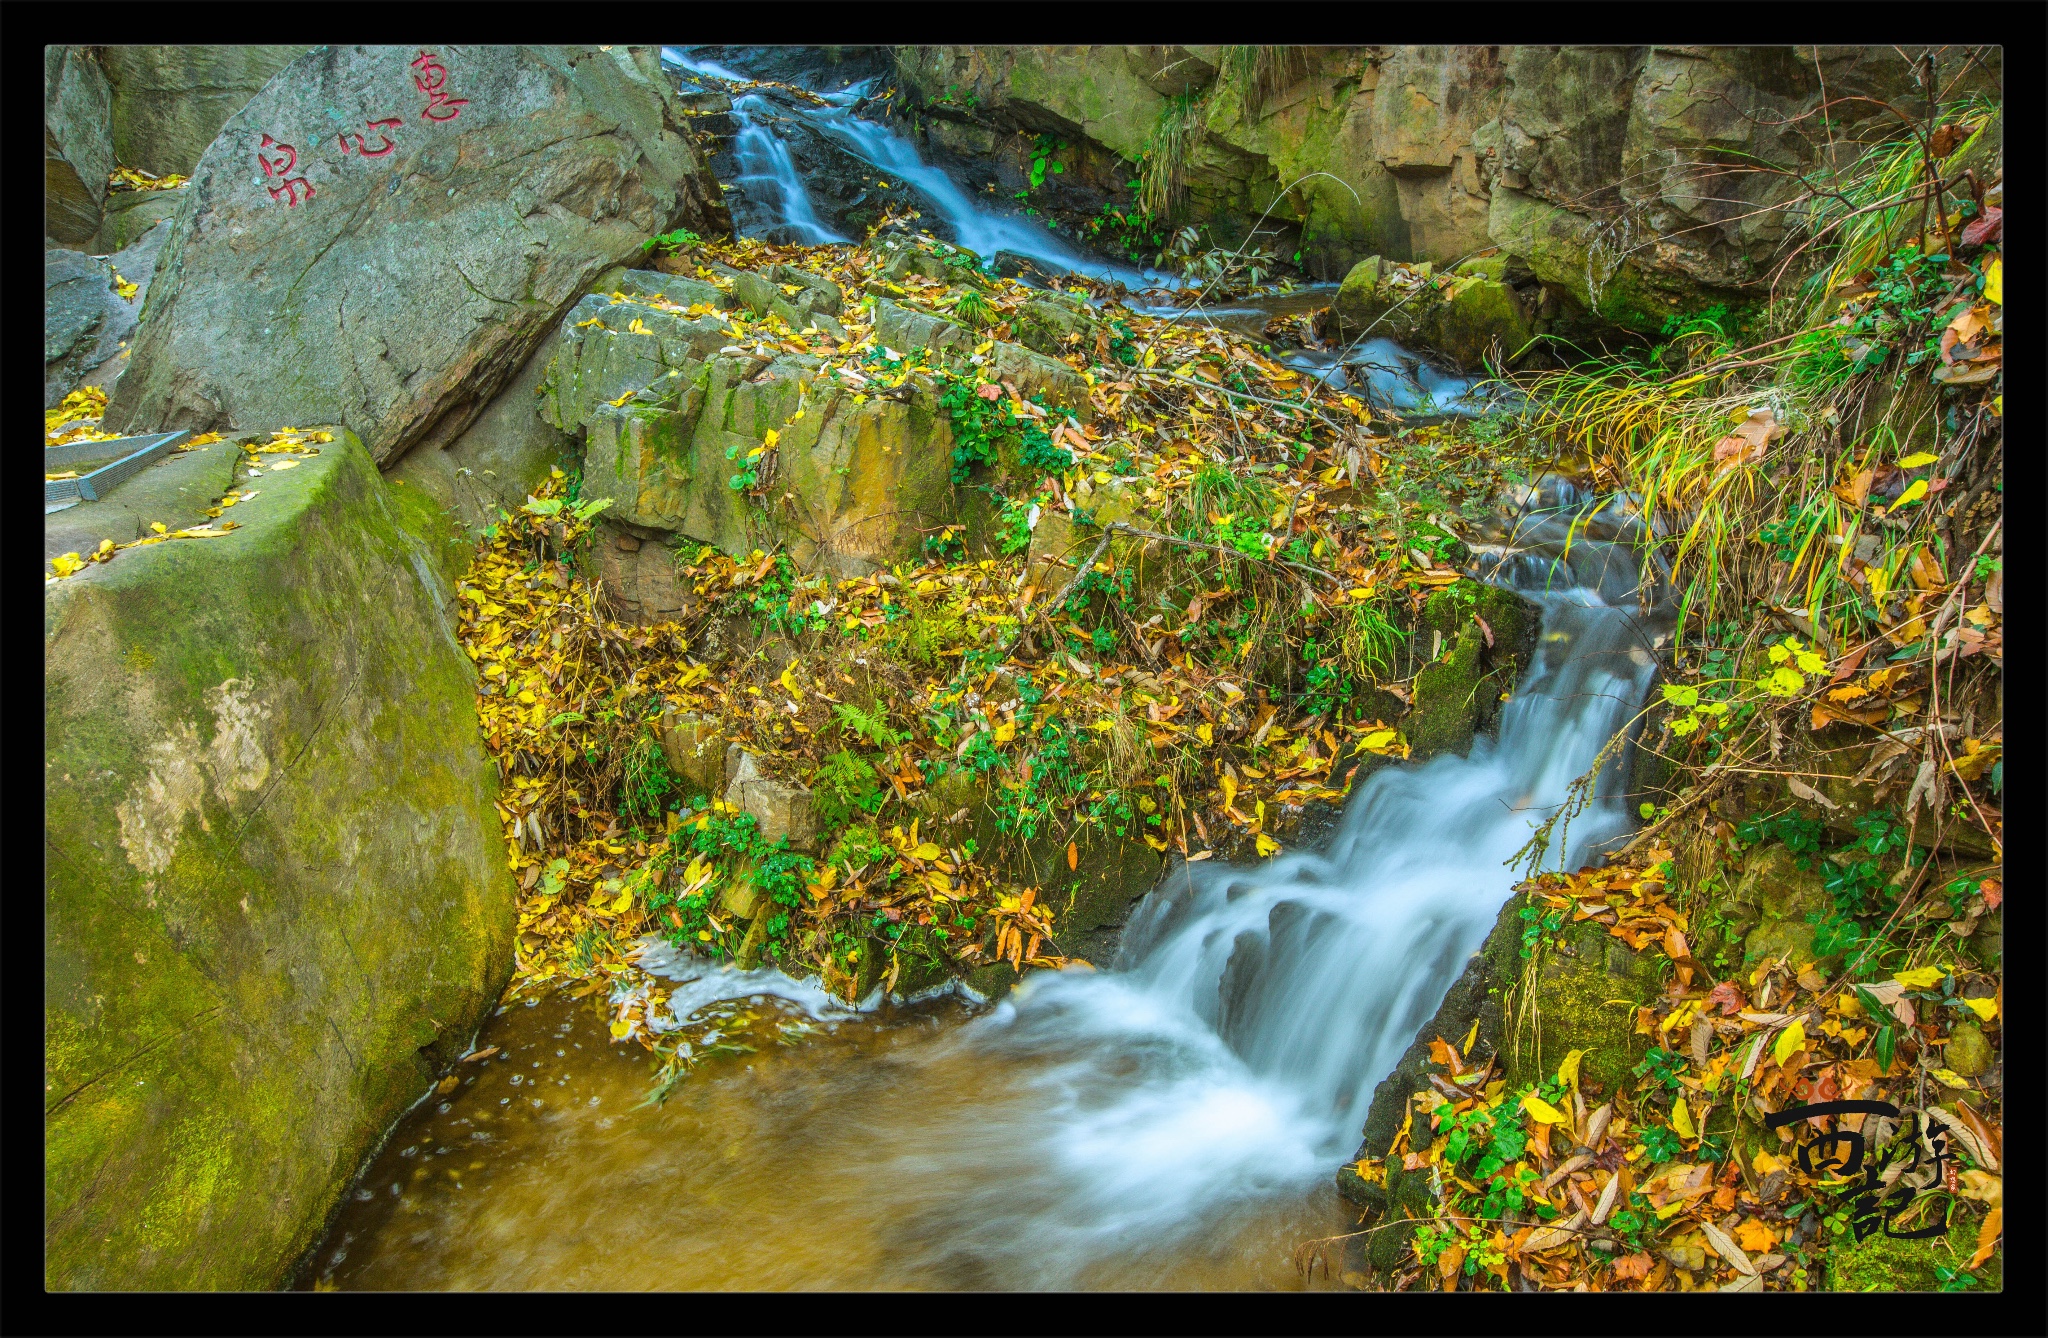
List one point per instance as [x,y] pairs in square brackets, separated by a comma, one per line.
[275,901]
[1464,314]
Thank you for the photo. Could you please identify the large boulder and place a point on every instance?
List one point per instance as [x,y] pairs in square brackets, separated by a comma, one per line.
[275,902]
[383,235]
[77,152]
[669,410]
[170,101]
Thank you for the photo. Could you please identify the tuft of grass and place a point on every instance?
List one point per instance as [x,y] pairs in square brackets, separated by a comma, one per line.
[974,310]
[1163,168]
[1260,72]
[1368,642]
[647,780]
[1878,202]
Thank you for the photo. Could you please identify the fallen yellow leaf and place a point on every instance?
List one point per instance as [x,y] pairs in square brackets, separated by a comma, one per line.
[1754,1236]
[1790,1041]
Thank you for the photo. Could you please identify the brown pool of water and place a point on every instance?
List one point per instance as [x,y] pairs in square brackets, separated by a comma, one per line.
[830,1156]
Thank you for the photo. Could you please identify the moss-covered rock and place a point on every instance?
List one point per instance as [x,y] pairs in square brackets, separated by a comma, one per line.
[1462,314]
[1480,313]
[1052,327]
[1882,1263]
[1578,991]
[1477,998]
[1581,994]
[275,903]
[1967,1052]
[1765,914]
[1460,693]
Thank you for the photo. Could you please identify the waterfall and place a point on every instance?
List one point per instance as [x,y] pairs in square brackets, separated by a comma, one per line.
[765,161]
[1231,1055]
[1381,370]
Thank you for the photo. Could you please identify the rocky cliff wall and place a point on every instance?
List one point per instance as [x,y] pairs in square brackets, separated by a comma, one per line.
[1634,181]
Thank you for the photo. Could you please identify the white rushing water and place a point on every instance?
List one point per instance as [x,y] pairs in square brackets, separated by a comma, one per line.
[765,162]
[1232,1054]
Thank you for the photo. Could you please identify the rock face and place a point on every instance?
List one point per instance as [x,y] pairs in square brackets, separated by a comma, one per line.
[500,458]
[131,214]
[77,150]
[1612,173]
[383,235]
[168,102]
[275,900]
[84,320]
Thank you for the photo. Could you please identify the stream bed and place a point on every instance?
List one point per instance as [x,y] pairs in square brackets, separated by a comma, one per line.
[857,1153]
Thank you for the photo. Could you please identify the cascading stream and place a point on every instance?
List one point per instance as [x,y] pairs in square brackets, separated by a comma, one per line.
[1232,1054]
[1171,1122]
[1382,371]
[765,162]
[981,230]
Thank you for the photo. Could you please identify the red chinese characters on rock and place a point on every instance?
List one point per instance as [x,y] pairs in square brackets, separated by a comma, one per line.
[431,78]
[277,160]
[383,129]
